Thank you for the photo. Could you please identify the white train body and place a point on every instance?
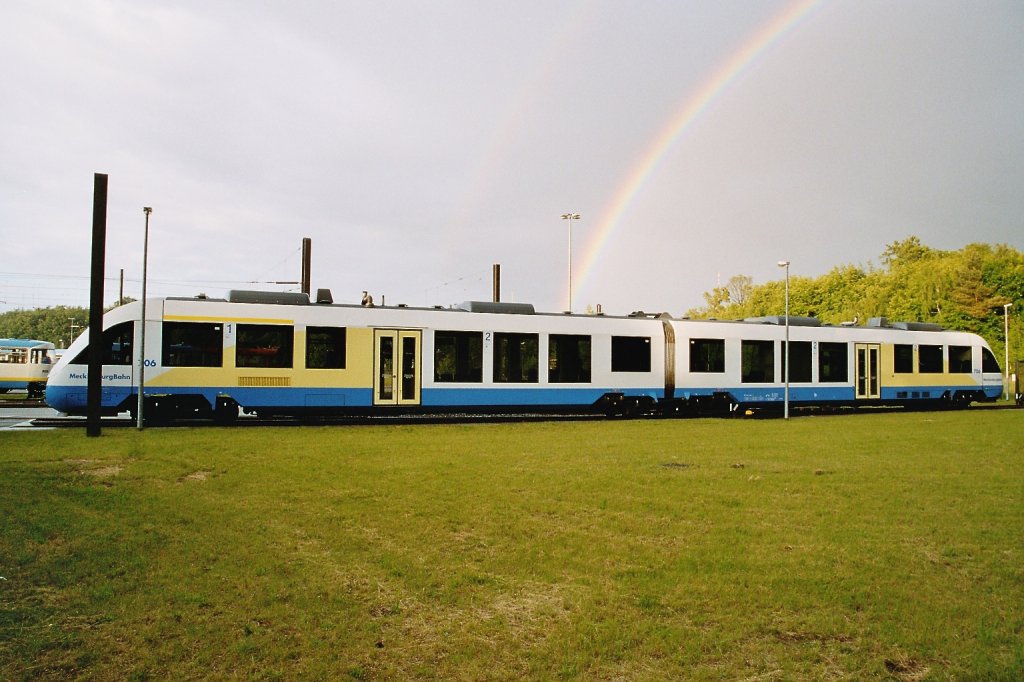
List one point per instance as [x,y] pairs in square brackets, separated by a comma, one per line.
[280,354]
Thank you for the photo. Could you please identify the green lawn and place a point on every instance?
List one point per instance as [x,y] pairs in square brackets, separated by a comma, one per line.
[870,546]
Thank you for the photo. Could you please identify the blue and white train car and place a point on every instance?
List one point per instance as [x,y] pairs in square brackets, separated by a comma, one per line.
[25,364]
[273,353]
[898,364]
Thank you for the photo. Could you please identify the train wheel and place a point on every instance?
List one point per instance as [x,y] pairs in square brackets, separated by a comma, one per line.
[226,411]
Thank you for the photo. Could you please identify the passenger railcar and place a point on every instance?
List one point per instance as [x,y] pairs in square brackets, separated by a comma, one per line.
[272,353]
[25,364]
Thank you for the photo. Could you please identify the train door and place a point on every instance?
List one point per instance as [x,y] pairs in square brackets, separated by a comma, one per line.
[396,367]
[866,370]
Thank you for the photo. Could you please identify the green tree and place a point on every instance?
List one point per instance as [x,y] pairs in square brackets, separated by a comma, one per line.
[59,325]
[963,290]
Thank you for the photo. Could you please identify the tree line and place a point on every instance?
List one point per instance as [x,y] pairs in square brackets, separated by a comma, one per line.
[59,325]
[964,290]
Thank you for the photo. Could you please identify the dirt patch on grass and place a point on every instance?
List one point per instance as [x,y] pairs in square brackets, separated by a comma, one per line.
[87,467]
[195,476]
[798,637]
[422,630]
[906,668]
[104,472]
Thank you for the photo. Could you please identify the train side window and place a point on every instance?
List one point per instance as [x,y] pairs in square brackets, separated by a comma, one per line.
[14,356]
[631,354]
[516,358]
[458,356]
[833,363]
[707,355]
[325,347]
[989,364]
[929,359]
[117,346]
[568,359]
[960,360]
[192,344]
[758,362]
[903,358]
[264,345]
[800,362]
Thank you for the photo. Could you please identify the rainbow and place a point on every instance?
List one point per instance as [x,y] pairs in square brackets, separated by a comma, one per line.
[698,103]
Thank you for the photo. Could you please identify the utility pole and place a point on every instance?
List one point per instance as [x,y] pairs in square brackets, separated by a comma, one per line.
[570,217]
[142,335]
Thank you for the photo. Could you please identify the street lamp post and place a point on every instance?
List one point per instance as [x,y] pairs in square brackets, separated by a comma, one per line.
[142,334]
[785,404]
[74,326]
[1006,341]
[570,217]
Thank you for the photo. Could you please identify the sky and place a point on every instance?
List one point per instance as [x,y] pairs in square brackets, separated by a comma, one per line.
[417,144]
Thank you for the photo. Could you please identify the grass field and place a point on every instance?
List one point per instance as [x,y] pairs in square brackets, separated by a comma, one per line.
[886,546]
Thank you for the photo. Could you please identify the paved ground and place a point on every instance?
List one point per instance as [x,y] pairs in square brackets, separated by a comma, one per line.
[20,417]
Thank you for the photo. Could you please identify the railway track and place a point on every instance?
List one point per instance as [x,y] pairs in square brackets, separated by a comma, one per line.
[453,418]
[249,422]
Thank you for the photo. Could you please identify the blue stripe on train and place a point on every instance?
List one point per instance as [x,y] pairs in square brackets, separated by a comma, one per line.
[17,384]
[746,394]
[70,399]
[569,395]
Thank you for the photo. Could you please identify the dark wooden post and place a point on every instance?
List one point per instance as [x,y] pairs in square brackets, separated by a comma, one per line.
[99,240]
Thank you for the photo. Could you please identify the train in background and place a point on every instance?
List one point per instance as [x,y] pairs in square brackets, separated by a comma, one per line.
[272,353]
[25,365]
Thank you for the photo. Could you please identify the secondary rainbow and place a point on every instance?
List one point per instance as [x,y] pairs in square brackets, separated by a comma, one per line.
[698,103]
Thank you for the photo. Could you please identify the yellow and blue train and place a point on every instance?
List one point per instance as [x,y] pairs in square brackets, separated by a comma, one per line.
[25,364]
[272,353]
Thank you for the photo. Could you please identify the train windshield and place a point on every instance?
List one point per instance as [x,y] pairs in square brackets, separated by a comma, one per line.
[989,364]
[117,346]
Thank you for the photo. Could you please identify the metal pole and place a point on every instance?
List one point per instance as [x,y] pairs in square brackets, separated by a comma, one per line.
[1006,341]
[142,336]
[785,408]
[570,217]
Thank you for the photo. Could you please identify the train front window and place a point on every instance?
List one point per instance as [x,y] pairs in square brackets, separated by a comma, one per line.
[117,346]
[568,359]
[758,362]
[192,344]
[929,359]
[264,345]
[458,356]
[516,358]
[960,360]
[989,364]
[707,355]
[631,354]
[833,363]
[325,347]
